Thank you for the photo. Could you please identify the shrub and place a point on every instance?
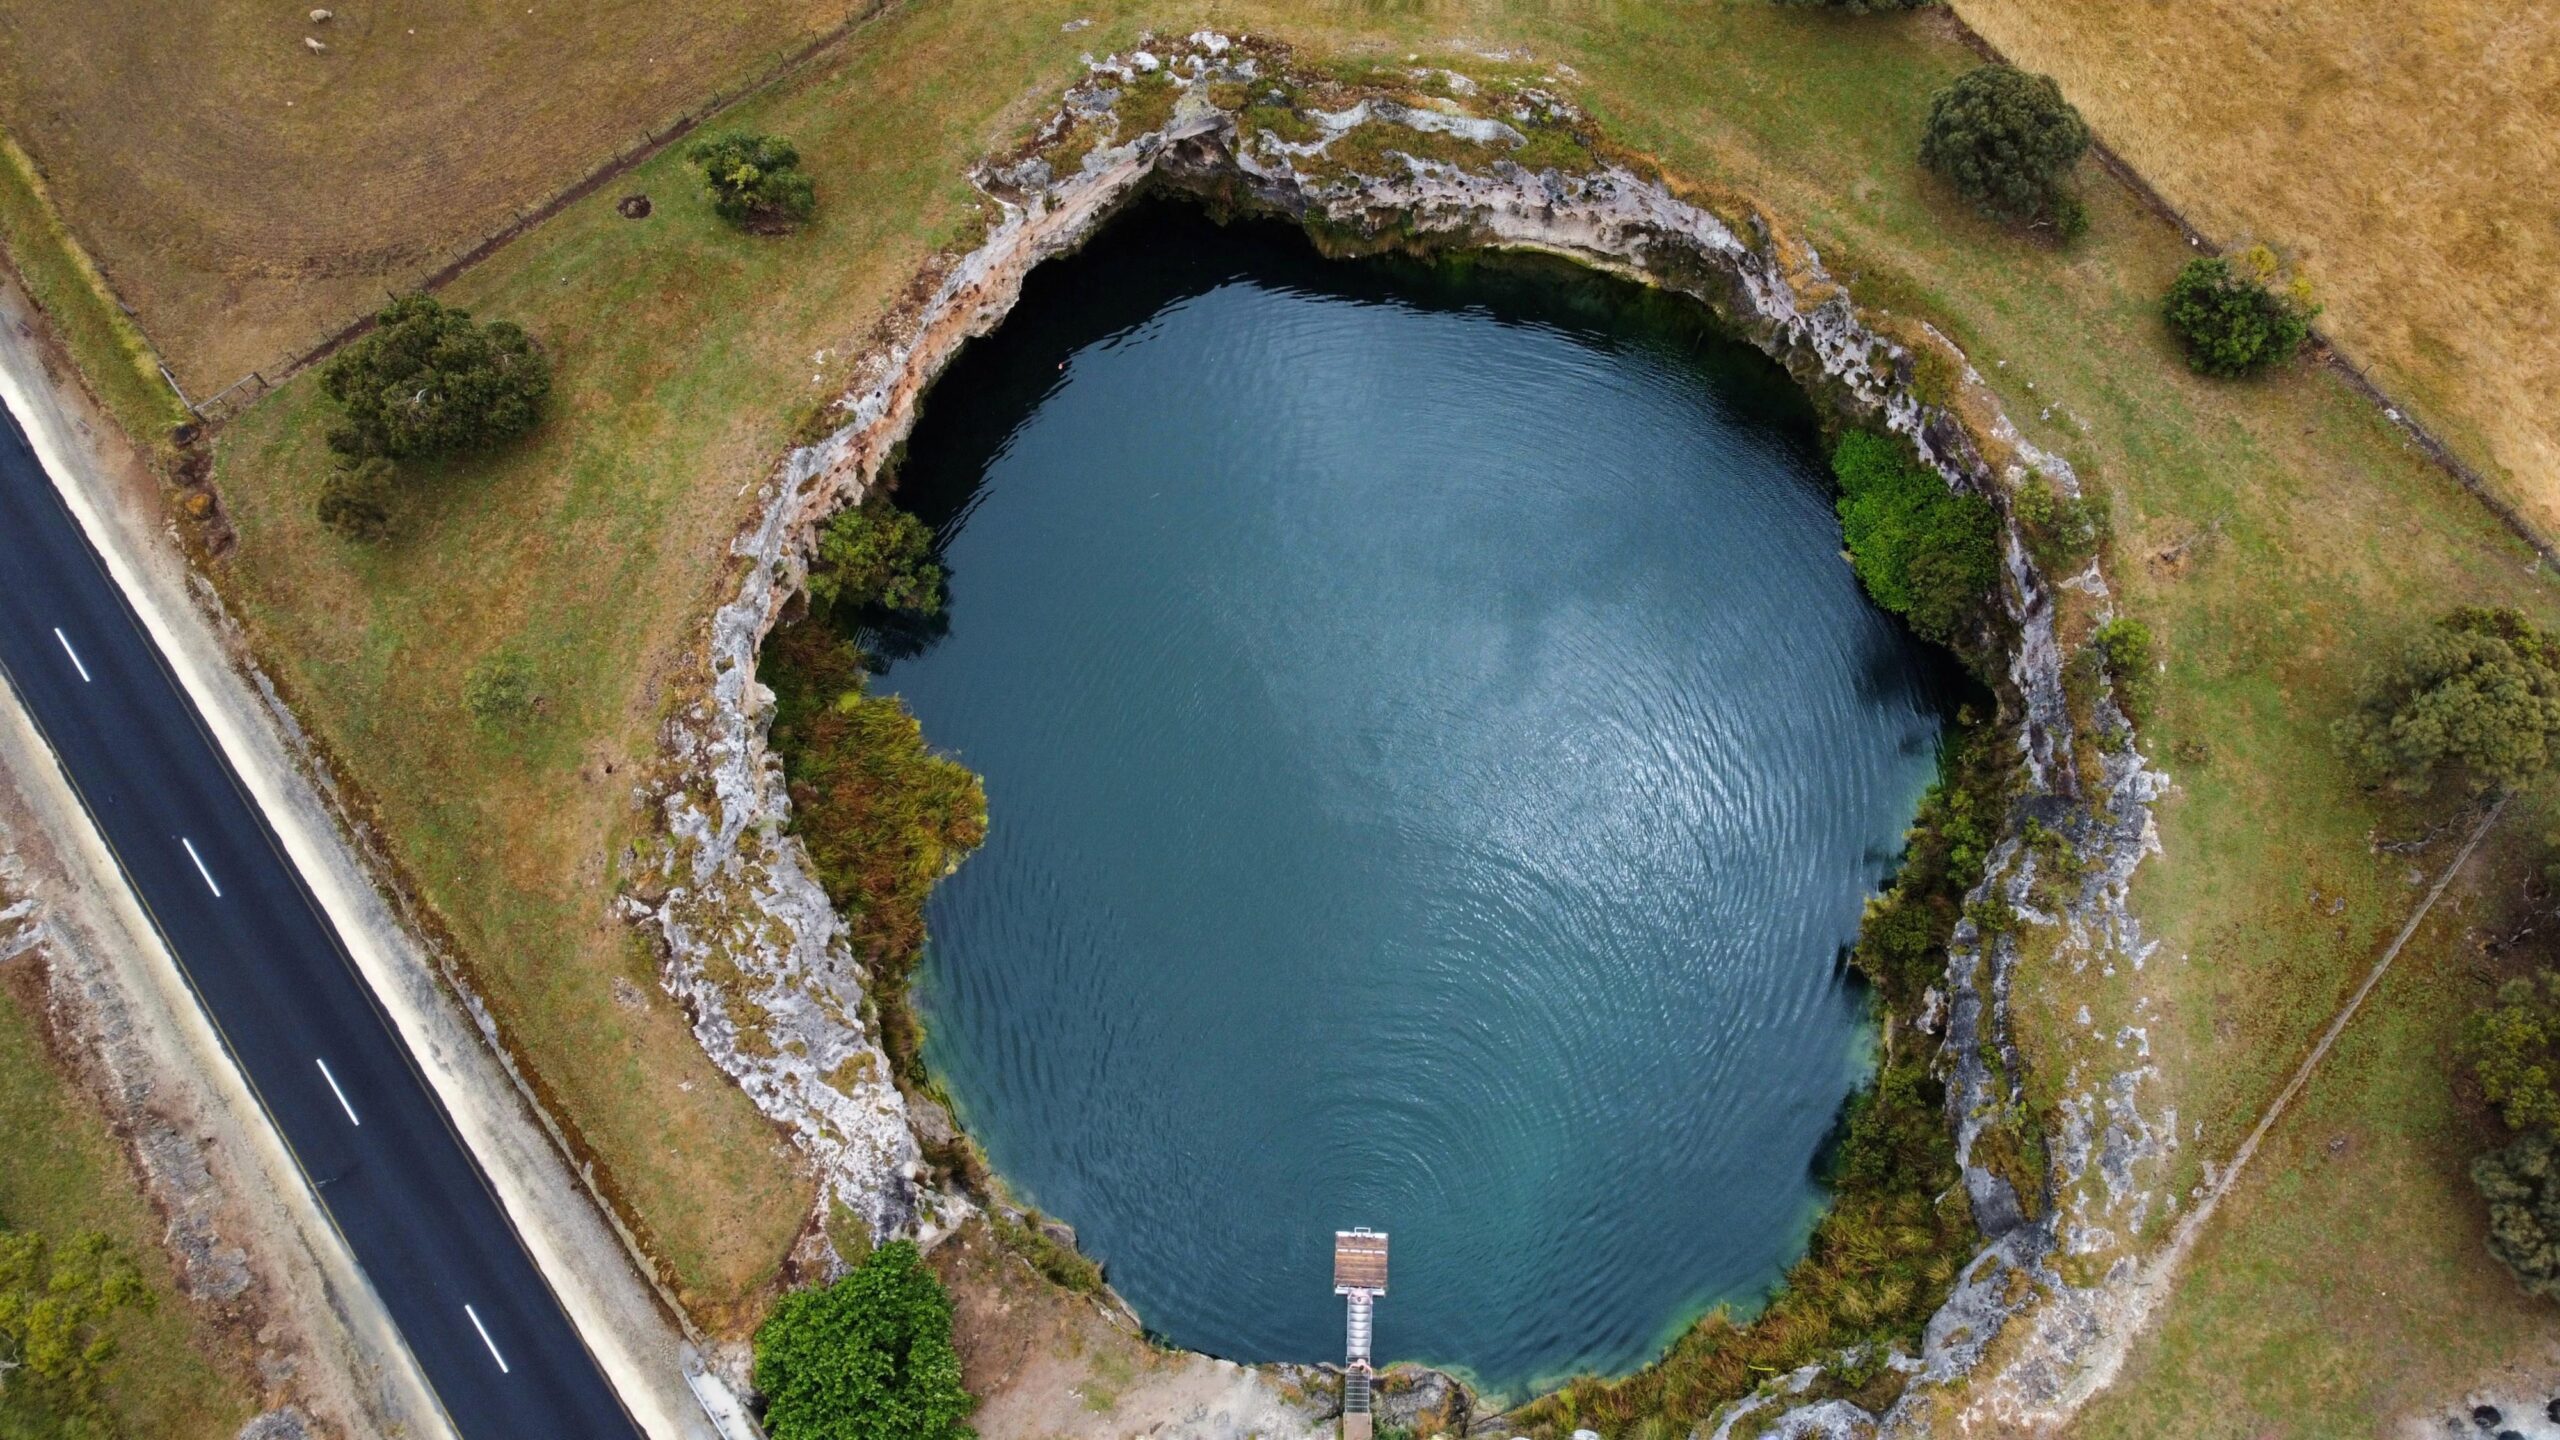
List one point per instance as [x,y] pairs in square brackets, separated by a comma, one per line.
[355,501]
[876,556]
[2522,1185]
[755,181]
[54,1306]
[2233,323]
[498,690]
[1924,551]
[2125,645]
[2007,141]
[428,381]
[883,816]
[2477,695]
[2062,531]
[2514,1050]
[866,1358]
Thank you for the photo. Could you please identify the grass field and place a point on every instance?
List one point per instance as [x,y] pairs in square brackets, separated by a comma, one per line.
[2408,154]
[249,196]
[2275,534]
[66,1177]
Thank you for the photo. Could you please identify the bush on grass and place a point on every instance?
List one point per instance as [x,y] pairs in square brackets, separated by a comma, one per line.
[355,500]
[2476,696]
[755,181]
[55,1304]
[2007,141]
[2513,1047]
[866,1358]
[2234,323]
[498,690]
[1925,552]
[2522,1185]
[427,381]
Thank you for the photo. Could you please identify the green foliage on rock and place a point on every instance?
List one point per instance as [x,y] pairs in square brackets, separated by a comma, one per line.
[1925,552]
[876,556]
[355,500]
[2513,1047]
[755,180]
[498,690]
[2522,1185]
[55,1305]
[427,380]
[866,1358]
[2125,645]
[883,817]
[2063,531]
[2232,323]
[2474,696]
[2007,140]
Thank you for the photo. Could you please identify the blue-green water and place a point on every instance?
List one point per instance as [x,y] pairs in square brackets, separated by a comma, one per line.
[1435,755]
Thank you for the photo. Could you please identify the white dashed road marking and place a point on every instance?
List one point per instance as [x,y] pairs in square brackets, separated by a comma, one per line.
[207,874]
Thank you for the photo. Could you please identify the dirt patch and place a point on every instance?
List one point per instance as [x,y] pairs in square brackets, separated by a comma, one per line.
[1049,1365]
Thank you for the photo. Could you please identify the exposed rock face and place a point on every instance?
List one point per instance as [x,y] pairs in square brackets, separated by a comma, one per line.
[760,959]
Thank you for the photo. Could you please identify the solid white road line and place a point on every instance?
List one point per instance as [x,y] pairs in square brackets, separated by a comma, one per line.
[74,654]
[207,874]
[485,1340]
[334,1090]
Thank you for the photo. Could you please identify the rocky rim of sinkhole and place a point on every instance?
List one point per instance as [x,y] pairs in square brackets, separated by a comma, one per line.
[1411,156]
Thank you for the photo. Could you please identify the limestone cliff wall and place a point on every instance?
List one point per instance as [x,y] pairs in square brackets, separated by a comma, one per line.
[760,959]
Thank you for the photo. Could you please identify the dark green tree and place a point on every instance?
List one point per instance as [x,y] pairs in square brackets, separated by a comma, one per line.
[2233,323]
[876,556]
[2513,1046]
[866,1358]
[2476,695]
[2007,141]
[2522,1185]
[55,1305]
[355,500]
[1925,552]
[428,381]
[755,181]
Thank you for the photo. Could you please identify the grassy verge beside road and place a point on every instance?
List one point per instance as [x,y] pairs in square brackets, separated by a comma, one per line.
[66,1177]
[2272,534]
[112,354]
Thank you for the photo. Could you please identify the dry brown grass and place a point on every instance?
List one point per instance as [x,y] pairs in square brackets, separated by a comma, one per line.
[248,196]
[2408,153]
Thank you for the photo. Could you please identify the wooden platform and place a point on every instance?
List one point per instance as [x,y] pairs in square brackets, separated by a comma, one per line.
[1359,1262]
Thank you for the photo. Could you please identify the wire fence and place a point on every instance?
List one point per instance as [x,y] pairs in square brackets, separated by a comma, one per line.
[231,399]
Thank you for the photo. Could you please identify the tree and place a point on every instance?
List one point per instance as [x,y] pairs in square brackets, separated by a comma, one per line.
[2232,323]
[2522,1185]
[866,1358]
[428,381]
[54,1308]
[498,690]
[355,501]
[2477,695]
[2514,1050]
[1925,552]
[876,556]
[755,181]
[2007,141]
[2124,644]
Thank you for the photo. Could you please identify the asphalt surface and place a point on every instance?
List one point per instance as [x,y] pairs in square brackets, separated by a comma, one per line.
[270,969]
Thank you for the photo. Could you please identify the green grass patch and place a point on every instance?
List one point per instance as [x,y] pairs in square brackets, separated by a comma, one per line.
[110,351]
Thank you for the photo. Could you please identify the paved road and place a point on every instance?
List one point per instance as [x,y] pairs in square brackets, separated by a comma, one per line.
[392,1173]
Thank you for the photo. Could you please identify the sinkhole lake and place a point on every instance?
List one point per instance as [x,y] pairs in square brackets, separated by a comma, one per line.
[1435,757]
